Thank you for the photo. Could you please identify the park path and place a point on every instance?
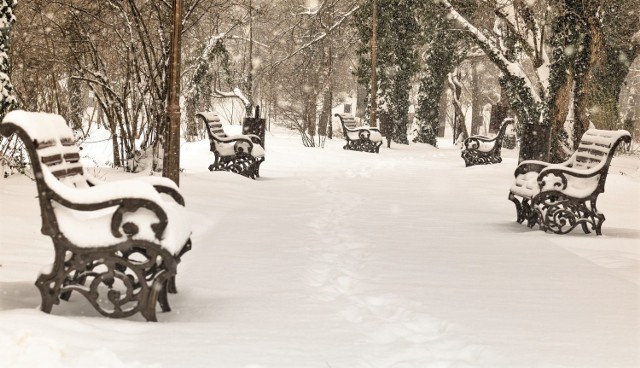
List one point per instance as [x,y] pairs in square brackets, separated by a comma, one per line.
[346,259]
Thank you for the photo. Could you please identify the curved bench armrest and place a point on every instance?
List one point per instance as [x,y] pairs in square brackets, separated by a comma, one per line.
[359,129]
[237,141]
[106,191]
[480,138]
[576,183]
[529,166]
[164,185]
[475,142]
[234,138]
[254,138]
[126,195]
[159,183]
[559,170]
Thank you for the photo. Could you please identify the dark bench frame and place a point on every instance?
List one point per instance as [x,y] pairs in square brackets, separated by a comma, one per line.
[471,153]
[553,207]
[137,274]
[363,143]
[241,161]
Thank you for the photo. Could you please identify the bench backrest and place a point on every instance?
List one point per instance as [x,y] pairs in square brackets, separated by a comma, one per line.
[212,123]
[347,120]
[52,150]
[50,143]
[597,146]
[502,131]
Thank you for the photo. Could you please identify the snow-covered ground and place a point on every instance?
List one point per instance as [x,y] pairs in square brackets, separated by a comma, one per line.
[340,259]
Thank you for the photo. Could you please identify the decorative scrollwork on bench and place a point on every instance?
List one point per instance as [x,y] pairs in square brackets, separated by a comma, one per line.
[119,281]
[560,214]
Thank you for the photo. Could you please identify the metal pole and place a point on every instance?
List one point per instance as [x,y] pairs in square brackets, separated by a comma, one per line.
[374,66]
[171,166]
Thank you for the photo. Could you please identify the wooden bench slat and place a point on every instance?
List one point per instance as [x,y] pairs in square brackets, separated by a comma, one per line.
[43,144]
[68,141]
[51,160]
[63,173]
[72,157]
[600,146]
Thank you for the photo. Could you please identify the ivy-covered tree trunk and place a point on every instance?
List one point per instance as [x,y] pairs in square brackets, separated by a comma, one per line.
[7,18]
[443,52]
[588,67]
[564,41]
[620,47]
[608,74]
[198,91]
[397,61]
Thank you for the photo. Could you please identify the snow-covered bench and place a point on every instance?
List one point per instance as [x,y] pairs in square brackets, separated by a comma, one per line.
[562,196]
[116,243]
[481,150]
[241,154]
[364,138]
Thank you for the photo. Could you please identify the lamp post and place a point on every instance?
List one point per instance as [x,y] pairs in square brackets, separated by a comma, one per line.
[374,66]
[171,164]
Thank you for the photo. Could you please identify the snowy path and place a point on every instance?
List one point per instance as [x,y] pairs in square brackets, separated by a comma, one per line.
[403,259]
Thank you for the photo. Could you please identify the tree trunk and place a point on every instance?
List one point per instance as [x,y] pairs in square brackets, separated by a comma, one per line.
[115,146]
[373,121]
[476,106]
[361,101]
[460,127]
[325,114]
[327,95]
[442,111]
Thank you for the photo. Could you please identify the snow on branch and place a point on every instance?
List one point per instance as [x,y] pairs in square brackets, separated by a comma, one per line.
[492,50]
[520,20]
[203,61]
[312,8]
[319,38]
[236,93]
[261,44]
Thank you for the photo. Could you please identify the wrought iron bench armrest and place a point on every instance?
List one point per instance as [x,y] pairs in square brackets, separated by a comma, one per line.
[126,195]
[161,185]
[359,129]
[529,166]
[166,186]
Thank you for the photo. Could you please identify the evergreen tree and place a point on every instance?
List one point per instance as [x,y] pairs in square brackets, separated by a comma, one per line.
[7,97]
[213,59]
[590,55]
[618,22]
[438,61]
[397,38]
